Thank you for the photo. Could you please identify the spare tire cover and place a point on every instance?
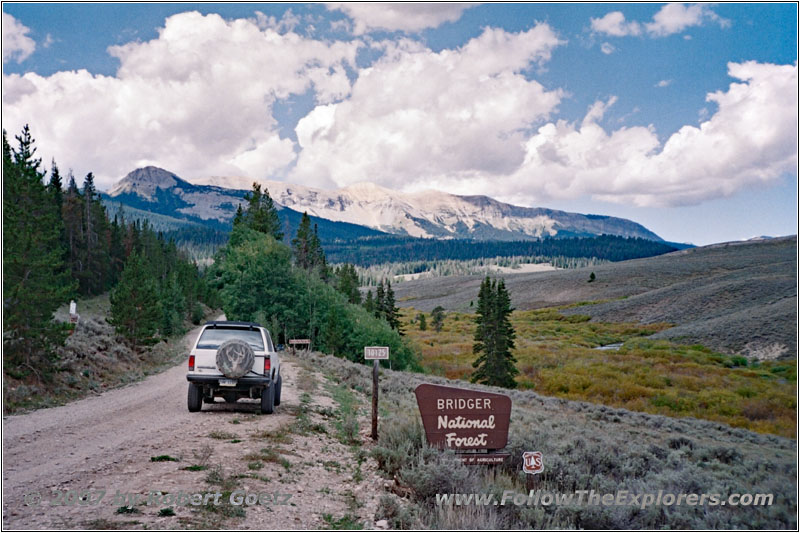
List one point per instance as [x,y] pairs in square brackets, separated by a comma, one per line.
[235,358]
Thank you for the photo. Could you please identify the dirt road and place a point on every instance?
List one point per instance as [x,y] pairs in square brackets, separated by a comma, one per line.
[107,442]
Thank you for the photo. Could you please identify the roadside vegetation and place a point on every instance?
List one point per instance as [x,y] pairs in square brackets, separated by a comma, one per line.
[316,455]
[557,356]
[93,359]
[586,447]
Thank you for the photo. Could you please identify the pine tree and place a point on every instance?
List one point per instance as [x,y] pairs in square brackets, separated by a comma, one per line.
[380,301]
[369,303]
[506,369]
[95,278]
[262,215]
[35,278]
[56,187]
[494,337]
[135,307]
[437,318]
[173,306]
[483,331]
[318,260]
[117,248]
[72,214]
[271,216]
[347,283]
[423,324]
[238,218]
[391,312]
[301,244]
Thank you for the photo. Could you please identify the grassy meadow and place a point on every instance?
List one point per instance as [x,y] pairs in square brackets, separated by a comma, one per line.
[557,356]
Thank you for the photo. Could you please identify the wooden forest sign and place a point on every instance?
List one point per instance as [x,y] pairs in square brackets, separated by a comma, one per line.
[462,419]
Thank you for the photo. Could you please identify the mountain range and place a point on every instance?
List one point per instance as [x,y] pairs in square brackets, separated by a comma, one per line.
[360,210]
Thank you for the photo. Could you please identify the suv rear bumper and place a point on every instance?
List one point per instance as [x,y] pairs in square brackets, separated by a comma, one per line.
[245,382]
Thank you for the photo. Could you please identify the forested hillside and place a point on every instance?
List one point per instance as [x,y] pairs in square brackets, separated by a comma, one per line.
[390,248]
[59,244]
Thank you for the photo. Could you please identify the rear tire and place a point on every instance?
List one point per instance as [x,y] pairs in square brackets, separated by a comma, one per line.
[278,390]
[195,398]
[268,400]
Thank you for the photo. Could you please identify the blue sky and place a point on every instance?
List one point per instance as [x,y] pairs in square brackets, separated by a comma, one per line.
[682,117]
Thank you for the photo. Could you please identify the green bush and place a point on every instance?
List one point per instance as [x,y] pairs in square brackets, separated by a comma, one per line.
[256,280]
[400,516]
[197,313]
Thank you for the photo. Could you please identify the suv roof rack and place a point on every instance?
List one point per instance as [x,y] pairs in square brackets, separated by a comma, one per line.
[233,324]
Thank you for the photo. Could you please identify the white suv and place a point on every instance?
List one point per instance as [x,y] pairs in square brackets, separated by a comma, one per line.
[234,360]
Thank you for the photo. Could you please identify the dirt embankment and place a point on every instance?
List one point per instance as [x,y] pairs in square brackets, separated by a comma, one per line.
[108,443]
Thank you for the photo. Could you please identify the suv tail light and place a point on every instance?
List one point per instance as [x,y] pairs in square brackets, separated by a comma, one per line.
[191,362]
[267,364]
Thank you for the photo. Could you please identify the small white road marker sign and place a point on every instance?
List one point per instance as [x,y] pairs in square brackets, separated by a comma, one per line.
[376,352]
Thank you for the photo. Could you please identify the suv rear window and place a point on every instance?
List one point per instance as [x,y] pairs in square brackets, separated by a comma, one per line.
[213,337]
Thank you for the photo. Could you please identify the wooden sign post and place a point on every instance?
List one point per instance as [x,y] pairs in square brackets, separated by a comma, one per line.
[293,343]
[473,423]
[375,353]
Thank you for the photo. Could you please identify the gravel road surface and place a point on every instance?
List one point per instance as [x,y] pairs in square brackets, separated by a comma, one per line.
[106,442]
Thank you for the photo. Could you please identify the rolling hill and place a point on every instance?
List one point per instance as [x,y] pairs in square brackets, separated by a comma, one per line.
[738,297]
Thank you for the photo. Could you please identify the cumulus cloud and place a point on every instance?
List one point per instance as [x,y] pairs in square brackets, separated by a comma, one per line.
[614,24]
[16,43]
[670,19]
[403,17]
[751,139]
[197,100]
[416,116]
[674,18]
[663,83]
[607,48]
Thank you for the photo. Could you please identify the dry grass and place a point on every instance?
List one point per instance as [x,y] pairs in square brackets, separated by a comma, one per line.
[586,446]
[738,298]
[556,356]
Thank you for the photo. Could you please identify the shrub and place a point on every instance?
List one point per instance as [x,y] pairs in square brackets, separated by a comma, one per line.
[197,313]
[399,440]
[680,442]
[162,458]
[399,514]
[433,472]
